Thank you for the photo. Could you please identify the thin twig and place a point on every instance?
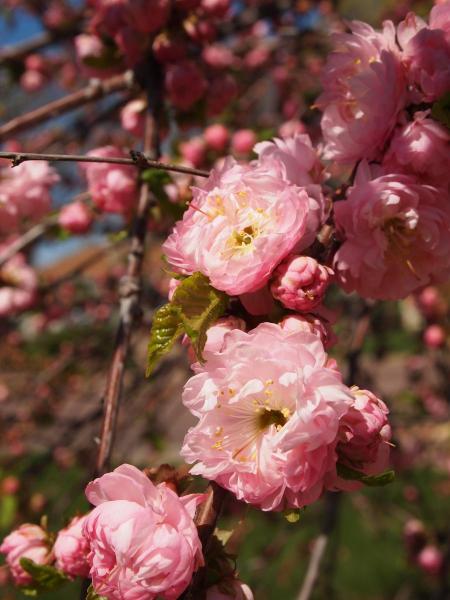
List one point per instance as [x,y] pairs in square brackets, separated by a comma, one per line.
[131,284]
[30,236]
[138,159]
[93,91]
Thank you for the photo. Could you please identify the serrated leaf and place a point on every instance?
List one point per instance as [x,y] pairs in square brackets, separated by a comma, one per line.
[369,480]
[167,327]
[441,110]
[292,515]
[45,577]
[92,595]
[200,305]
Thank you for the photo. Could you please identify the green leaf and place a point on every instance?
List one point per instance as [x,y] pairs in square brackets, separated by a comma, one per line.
[369,480]
[156,179]
[200,305]
[167,327]
[45,577]
[292,515]
[441,110]
[194,307]
[8,508]
[92,595]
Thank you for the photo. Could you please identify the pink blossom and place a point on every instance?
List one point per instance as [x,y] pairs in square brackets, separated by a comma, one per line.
[269,406]
[112,187]
[169,48]
[90,51]
[291,128]
[185,84]
[75,217]
[32,81]
[25,193]
[422,148]
[218,56]
[132,116]
[71,549]
[19,284]
[216,334]
[238,227]
[311,324]
[396,236]
[434,336]
[202,31]
[222,90]
[193,151]
[431,560]
[243,140]
[365,434]
[300,282]
[236,590]
[216,137]
[364,90]
[28,541]
[295,160]
[215,8]
[426,54]
[143,541]
[259,302]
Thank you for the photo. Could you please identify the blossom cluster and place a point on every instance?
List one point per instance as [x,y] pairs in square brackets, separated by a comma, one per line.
[138,543]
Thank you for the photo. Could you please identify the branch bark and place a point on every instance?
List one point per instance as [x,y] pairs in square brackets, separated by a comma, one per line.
[138,159]
[93,91]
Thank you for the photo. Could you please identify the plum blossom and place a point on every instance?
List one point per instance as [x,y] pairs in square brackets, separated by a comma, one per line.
[364,90]
[320,327]
[295,160]
[71,549]
[420,147]
[300,282]
[28,541]
[132,116]
[243,141]
[269,406]
[426,53]
[396,236]
[75,217]
[112,187]
[185,84]
[143,541]
[18,284]
[238,227]
[25,193]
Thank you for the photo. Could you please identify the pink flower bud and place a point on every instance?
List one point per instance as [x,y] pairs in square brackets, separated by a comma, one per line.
[243,141]
[28,541]
[75,217]
[434,336]
[216,137]
[300,282]
[430,560]
[193,151]
[168,48]
[218,56]
[32,81]
[414,536]
[185,84]
[132,117]
[10,485]
[215,8]
[429,300]
[71,549]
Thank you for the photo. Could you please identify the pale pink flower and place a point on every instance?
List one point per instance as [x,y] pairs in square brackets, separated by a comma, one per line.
[185,84]
[311,324]
[193,151]
[243,140]
[71,549]
[300,282]
[112,187]
[236,590]
[216,137]
[295,160]
[426,53]
[215,335]
[25,193]
[218,56]
[364,90]
[132,116]
[28,541]
[19,284]
[434,336]
[365,434]
[90,51]
[291,128]
[238,227]
[75,217]
[421,148]
[269,406]
[396,236]
[431,560]
[143,541]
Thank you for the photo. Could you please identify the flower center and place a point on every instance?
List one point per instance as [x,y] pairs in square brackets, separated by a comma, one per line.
[245,237]
[269,416]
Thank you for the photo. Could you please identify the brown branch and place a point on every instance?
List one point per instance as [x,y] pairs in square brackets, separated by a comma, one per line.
[30,236]
[93,91]
[138,159]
